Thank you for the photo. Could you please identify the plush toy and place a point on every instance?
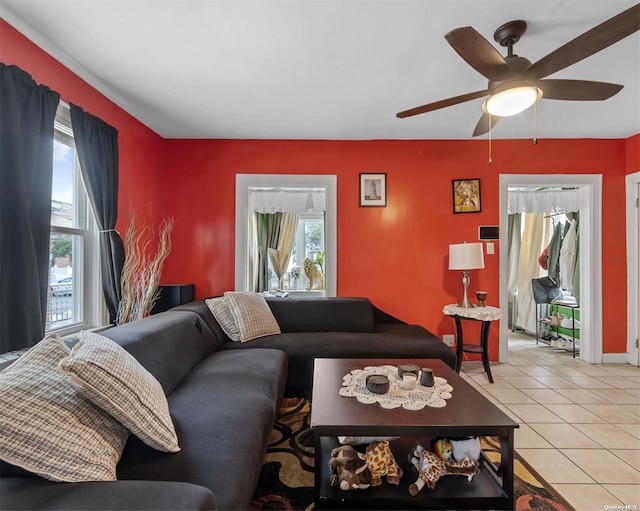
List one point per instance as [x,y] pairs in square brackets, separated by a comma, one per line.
[349,471]
[381,462]
[431,468]
[442,448]
[466,447]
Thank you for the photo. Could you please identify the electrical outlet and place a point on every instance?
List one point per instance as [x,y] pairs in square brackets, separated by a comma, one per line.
[449,340]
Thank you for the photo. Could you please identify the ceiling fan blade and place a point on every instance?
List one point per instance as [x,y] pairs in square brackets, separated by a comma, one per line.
[443,103]
[578,90]
[478,53]
[486,122]
[585,45]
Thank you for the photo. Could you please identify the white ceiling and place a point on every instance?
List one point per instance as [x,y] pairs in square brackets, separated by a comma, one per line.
[323,69]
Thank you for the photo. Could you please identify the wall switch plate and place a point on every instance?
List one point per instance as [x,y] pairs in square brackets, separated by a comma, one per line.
[490,248]
[449,340]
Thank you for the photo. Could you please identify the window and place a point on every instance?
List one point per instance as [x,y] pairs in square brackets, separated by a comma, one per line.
[309,244]
[244,182]
[72,261]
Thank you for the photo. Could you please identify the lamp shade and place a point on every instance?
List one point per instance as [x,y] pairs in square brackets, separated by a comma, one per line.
[466,256]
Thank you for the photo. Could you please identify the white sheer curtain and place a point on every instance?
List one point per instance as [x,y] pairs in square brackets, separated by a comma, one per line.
[544,201]
[280,256]
[535,236]
[287,200]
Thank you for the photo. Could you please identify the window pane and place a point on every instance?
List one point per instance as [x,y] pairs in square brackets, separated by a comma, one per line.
[64,300]
[313,238]
[309,243]
[64,204]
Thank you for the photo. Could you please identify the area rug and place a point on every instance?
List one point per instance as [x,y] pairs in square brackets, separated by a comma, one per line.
[286,480]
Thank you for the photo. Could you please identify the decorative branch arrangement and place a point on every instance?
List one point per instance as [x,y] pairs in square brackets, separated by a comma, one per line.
[141,272]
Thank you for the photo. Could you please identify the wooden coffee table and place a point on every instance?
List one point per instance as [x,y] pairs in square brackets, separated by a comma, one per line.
[467,413]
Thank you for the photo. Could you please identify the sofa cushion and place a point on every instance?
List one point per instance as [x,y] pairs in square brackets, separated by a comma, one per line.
[252,315]
[329,314]
[109,377]
[390,341]
[221,311]
[48,428]
[168,345]
[34,493]
[223,412]
[200,308]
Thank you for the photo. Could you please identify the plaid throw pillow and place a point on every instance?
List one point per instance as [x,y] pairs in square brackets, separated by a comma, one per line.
[252,314]
[107,375]
[50,429]
[221,311]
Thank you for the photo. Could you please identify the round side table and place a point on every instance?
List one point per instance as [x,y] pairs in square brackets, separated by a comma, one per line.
[484,314]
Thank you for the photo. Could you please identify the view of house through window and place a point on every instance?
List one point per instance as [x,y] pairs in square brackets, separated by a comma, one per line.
[71,238]
[309,244]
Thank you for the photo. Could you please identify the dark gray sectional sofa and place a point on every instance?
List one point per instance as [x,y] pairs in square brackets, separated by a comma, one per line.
[334,328]
[223,398]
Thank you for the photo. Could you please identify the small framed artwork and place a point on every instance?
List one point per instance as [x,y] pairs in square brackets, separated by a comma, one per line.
[373,189]
[466,196]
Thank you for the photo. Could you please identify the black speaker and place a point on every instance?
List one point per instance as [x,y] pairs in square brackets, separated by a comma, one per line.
[172,295]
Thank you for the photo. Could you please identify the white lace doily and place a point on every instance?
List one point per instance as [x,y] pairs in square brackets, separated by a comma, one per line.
[487,313]
[354,384]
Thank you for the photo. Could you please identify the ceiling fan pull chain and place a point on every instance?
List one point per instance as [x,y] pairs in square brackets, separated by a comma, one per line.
[535,123]
[490,123]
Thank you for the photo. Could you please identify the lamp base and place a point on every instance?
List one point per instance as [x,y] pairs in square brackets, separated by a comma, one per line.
[466,304]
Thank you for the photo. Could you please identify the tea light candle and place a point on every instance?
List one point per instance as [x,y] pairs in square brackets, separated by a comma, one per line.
[409,381]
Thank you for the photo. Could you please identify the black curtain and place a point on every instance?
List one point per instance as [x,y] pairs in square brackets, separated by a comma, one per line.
[97,147]
[27,115]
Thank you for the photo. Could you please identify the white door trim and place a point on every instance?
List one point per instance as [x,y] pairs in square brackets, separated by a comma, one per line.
[590,256]
[245,181]
[633,298]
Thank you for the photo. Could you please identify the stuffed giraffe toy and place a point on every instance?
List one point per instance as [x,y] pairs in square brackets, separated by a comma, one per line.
[431,468]
[381,462]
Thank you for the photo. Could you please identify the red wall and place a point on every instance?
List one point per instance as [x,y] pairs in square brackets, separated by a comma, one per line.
[396,255]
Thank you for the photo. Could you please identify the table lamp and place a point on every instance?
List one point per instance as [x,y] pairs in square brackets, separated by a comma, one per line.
[466,256]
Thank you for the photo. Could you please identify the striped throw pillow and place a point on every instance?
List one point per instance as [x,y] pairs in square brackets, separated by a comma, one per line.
[48,428]
[252,315]
[111,378]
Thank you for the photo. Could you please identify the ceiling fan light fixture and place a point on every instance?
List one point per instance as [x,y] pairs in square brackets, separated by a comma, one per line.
[512,101]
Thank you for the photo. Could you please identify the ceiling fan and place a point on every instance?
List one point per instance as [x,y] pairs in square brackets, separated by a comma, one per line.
[515,83]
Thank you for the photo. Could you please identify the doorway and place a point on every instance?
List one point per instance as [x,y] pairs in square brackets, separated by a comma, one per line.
[590,197]
[633,266]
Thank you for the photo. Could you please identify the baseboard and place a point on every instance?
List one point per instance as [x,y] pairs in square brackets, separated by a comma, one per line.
[615,358]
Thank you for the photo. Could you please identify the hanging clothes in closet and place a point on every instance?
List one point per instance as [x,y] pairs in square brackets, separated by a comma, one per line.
[553,260]
[568,255]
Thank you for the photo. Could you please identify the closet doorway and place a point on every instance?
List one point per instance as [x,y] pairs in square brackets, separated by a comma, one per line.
[588,196]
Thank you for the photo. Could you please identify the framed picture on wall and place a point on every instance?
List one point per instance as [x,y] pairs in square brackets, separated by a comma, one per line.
[466,196]
[373,189]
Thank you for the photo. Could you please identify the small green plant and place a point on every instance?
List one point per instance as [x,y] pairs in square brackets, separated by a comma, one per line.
[320,260]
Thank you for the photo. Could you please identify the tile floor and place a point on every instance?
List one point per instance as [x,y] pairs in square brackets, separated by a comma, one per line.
[579,422]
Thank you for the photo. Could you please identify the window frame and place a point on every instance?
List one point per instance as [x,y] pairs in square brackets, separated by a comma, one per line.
[246,181]
[90,309]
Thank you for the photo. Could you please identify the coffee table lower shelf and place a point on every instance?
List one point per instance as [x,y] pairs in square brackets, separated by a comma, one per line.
[484,491]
